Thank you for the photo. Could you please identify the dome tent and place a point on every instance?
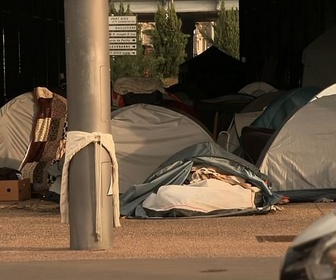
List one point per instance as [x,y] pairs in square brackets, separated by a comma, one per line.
[145,135]
[32,128]
[299,158]
[168,193]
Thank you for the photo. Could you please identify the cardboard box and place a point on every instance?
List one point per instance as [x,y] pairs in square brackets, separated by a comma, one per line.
[15,190]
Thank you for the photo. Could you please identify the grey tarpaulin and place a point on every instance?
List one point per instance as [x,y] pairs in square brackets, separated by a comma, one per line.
[175,171]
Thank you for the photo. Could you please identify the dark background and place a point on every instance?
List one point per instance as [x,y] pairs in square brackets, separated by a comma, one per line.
[273,36]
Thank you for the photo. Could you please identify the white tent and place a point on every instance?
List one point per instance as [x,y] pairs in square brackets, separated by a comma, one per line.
[230,139]
[16,122]
[32,127]
[319,59]
[300,157]
[257,88]
[146,135]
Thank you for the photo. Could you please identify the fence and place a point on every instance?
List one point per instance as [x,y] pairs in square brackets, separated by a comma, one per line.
[32,48]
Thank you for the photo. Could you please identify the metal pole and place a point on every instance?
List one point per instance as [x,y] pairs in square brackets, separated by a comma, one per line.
[88,95]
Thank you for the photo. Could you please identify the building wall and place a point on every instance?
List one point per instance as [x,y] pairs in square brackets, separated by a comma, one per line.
[200,43]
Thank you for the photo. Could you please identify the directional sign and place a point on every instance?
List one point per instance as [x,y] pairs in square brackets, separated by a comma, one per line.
[122,27]
[123,47]
[122,40]
[123,35]
[122,52]
[122,20]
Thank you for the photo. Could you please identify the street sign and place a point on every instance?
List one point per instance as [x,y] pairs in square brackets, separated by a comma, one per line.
[122,52]
[122,27]
[122,35]
[123,46]
[122,40]
[122,20]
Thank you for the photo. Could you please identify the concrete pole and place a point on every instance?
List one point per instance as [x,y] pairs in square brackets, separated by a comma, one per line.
[88,95]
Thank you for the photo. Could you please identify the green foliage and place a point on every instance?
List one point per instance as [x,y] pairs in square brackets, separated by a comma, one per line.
[226,30]
[169,45]
[141,64]
[122,11]
[168,41]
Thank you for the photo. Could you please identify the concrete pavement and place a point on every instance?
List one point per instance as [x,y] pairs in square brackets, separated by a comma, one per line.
[32,237]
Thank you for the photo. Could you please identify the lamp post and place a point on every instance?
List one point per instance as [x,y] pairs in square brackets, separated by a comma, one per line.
[89,110]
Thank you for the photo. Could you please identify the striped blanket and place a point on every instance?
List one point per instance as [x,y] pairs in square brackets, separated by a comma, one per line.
[47,138]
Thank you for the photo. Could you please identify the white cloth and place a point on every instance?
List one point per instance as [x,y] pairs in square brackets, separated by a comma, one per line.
[203,196]
[77,140]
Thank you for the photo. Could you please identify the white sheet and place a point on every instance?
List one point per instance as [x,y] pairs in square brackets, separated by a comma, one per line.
[204,196]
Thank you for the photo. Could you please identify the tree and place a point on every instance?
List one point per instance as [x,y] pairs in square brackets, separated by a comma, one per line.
[226,31]
[141,64]
[169,43]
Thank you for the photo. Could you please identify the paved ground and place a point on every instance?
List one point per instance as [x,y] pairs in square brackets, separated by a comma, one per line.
[31,232]
[145,269]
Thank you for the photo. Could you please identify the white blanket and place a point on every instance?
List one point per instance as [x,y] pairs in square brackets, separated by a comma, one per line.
[203,196]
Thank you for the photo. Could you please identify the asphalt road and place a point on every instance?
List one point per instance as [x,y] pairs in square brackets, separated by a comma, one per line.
[144,269]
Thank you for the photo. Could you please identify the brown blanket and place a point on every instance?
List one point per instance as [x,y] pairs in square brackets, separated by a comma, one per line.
[47,138]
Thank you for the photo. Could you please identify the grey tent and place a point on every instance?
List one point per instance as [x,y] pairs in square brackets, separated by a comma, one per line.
[284,105]
[257,89]
[32,133]
[17,118]
[229,139]
[146,135]
[300,156]
[255,136]
[169,192]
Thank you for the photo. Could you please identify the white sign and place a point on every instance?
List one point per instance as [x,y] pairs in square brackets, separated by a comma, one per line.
[122,27]
[122,20]
[123,47]
[122,52]
[122,40]
[122,34]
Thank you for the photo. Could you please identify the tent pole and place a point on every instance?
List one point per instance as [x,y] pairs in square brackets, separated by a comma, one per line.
[88,95]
